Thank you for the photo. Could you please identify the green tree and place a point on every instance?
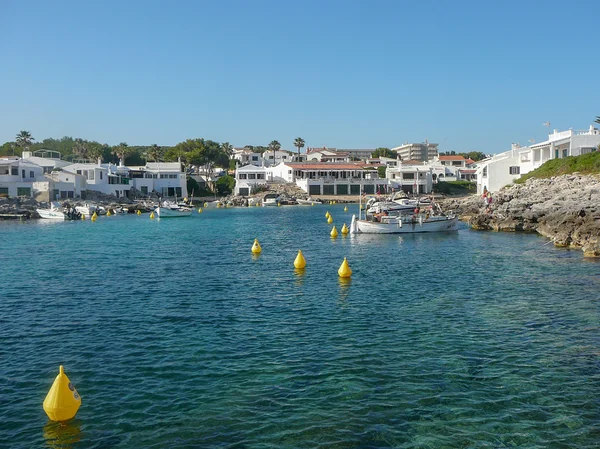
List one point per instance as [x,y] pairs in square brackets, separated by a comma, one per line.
[24,140]
[381,171]
[154,153]
[227,148]
[384,152]
[597,119]
[225,185]
[121,151]
[274,146]
[299,143]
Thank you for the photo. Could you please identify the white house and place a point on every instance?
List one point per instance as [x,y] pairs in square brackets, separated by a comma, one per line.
[247,156]
[330,178]
[417,151]
[108,178]
[326,155]
[248,177]
[17,176]
[411,176]
[503,168]
[164,178]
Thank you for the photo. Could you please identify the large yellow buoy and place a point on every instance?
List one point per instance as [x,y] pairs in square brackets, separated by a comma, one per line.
[327,214]
[62,401]
[330,219]
[83,216]
[152,215]
[256,249]
[94,216]
[334,232]
[345,271]
[345,208]
[139,212]
[345,229]
[199,210]
[108,214]
[300,261]
[205,204]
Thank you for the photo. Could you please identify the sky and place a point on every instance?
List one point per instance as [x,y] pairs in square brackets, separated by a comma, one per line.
[468,75]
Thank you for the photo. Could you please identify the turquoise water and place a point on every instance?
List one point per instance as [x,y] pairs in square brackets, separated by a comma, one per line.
[177,337]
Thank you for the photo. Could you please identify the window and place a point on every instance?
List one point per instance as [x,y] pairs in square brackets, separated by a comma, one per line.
[4,170]
[255,158]
[31,174]
[100,175]
[144,190]
[163,176]
[260,176]
[457,163]
[78,172]
[13,171]
[565,152]
[408,176]
[251,176]
[242,176]
[484,174]
[514,170]
[4,191]
[91,175]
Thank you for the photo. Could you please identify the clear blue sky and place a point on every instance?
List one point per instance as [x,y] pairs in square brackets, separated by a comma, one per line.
[469,75]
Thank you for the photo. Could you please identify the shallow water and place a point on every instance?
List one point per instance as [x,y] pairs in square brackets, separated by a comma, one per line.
[176,336]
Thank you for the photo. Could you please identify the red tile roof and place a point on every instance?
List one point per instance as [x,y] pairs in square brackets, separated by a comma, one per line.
[452,158]
[326,166]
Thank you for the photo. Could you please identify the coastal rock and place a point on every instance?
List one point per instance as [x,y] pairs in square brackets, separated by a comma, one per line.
[565,209]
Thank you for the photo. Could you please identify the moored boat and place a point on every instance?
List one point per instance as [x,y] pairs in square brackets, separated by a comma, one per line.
[172,210]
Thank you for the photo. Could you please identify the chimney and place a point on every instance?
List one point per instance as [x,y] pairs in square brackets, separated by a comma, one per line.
[99,161]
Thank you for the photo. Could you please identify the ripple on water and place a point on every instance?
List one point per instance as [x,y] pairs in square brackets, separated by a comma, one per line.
[175,335]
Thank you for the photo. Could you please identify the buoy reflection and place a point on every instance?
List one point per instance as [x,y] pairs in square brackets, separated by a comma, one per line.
[62,435]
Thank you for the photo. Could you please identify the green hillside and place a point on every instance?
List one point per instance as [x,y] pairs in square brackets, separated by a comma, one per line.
[586,163]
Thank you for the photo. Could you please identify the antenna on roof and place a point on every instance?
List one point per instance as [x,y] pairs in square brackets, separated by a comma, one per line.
[546,124]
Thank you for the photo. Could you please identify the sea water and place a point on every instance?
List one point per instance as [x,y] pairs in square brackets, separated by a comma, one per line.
[176,336]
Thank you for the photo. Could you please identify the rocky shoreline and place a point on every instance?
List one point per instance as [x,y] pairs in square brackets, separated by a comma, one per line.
[565,209]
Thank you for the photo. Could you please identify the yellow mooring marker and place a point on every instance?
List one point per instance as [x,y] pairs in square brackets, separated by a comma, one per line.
[300,261]
[256,249]
[345,271]
[62,401]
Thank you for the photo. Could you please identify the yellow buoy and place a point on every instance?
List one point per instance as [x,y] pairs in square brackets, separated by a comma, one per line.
[300,261]
[256,249]
[345,229]
[205,204]
[108,214]
[94,216]
[200,210]
[278,204]
[62,401]
[327,214]
[151,215]
[139,212]
[334,232]
[345,271]
[334,202]
[330,219]
[83,216]
[345,208]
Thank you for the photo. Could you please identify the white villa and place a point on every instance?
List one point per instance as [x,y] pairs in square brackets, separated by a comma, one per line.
[247,177]
[417,151]
[411,176]
[502,169]
[164,178]
[17,176]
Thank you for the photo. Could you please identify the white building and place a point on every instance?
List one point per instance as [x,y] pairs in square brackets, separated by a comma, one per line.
[108,178]
[326,155]
[247,156]
[17,176]
[165,178]
[417,151]
[411,176]
[502,169]
[247,178]
[272,158]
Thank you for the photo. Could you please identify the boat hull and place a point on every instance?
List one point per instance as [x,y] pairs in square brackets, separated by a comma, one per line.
[308,202]
[406,225]
[51,214]
[166,212]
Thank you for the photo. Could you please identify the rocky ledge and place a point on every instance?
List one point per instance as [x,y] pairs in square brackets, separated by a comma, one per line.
[566,209]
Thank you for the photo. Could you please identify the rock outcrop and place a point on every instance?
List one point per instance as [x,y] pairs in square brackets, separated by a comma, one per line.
[566,209]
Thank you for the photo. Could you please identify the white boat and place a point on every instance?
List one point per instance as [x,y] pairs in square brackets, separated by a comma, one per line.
[308,202]
[270,199]
[55,212]
[428,219]
[172,210]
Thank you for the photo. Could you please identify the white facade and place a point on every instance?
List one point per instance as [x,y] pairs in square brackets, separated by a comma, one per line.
[411,176]
[17,176]
[247,178]
[276,157]
[417,151]
[108,178]
[247,156]
[164,178]
[502,169]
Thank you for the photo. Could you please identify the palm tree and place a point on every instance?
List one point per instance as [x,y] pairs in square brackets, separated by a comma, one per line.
[299,143]
[24,139]
[154,153]
[121,151]
[597,119]
[227,148]
[80,149]
[274,146]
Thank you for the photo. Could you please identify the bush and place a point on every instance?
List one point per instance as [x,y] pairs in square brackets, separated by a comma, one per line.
[586,163]
[225,185]
[455,187]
